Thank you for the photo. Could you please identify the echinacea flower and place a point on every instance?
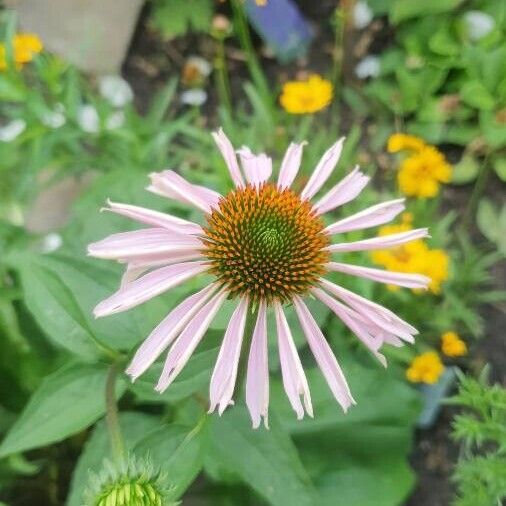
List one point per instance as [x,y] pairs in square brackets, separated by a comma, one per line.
[306,97]
[25,46]
[425,368]
[452,345]
[265,247]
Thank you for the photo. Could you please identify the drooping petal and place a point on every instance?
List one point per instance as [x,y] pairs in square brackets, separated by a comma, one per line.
[343,192]
[154,218]
[324,356]
[290,164]
[166,331]
[257,376]
[171,185]
[228,153]
[294,379]
[148,286]
[379,315]
[323,170]
[186,343]
[224,374]
[380,242]
[371,217]
[257,168]
[382,276]
[145,242]
[349,318]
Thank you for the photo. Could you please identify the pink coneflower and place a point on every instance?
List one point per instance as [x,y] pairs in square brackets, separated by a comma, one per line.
[266,247]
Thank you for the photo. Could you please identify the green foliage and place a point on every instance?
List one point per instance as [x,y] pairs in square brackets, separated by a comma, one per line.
[480,473]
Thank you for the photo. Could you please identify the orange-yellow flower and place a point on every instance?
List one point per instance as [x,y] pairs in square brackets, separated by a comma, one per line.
[400,142]
[425,368]
[25,46]
[452,345]
[306,97]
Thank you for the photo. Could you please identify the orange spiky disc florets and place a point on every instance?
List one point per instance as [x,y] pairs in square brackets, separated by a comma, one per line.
[266,243]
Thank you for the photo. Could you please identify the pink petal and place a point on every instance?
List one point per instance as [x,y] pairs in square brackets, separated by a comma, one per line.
[324,356]
[294,379]
[349,318]
[148,286]
[186,343]
[379,315]
[323,170]
[290,164]
[145,242]
[381,242]
[224,375]
[228,153]
[257,168]
[391,278]
[343,192]
[371,217]
[257,377]
[154,218]
[167,331]
[171,185]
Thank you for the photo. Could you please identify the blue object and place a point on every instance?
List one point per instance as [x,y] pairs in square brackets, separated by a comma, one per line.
[432,397]
[282,27]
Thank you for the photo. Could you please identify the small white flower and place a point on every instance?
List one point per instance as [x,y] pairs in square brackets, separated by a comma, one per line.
[201,64]
[479,24]
[115,90]
[115,120]
[368,67]
[12,130]
[51,242]
[87,117]
[194,97]
[362,14]
[55,118]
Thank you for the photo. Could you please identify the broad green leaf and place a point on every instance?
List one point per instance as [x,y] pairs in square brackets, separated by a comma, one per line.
[466,170]
[500,168]
[178,451]
[488,220]
[66,402]
[134,427]
[475,94]
[400,10]
[265,460]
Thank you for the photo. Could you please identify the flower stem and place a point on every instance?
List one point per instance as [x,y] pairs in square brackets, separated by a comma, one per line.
[111,416]
[222,80]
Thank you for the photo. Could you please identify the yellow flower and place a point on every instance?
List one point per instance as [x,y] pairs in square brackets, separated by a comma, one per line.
[452,345]
[421,173]
[401,142]
[25,46]
[261,3]
[306,97]
[413,257]
[425,368]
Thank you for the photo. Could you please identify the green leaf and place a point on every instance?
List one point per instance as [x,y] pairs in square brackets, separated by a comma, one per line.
[134,427]
[400,10]
[265,460]
[178,452]
[476,95]
[500,168]
[66,402]
[466,170]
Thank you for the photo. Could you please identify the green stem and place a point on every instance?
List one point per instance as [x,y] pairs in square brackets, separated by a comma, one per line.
[243,33]
[111,416]
[478,189]
[222,80]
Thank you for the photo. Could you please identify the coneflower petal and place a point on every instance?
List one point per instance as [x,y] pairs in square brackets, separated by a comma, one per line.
[381,242]
[371,217]
[228,153]
[186,343]
[148,286]
[324,356]
[343,192]
[290,164]
[257,376]
[391,278]
[323,170]
[224,374]
[257,168]
[166,331]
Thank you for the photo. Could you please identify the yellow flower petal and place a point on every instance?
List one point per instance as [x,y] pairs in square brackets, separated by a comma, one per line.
[306,97]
